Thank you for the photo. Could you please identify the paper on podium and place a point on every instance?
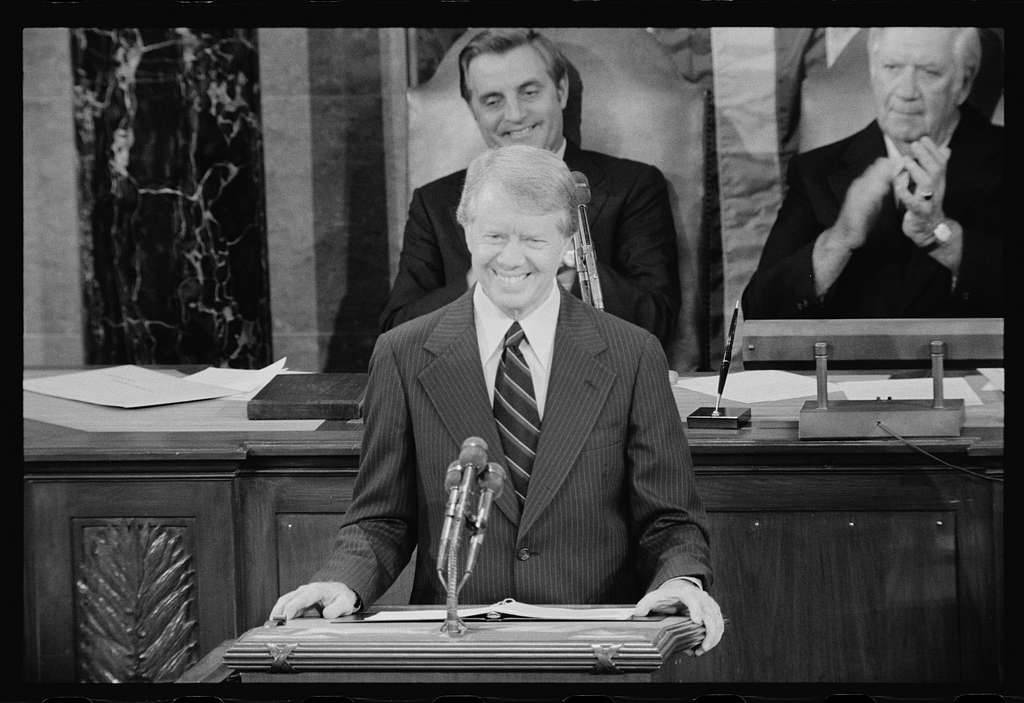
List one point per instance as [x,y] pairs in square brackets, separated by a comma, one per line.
[995,379]
[757,386]
[131,386]
[508,607]
[125,386]
[247,381]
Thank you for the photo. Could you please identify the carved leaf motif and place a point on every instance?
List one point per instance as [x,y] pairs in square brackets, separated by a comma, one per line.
[134,596]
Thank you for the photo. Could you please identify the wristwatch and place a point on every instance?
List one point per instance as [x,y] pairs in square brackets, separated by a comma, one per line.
[942,232]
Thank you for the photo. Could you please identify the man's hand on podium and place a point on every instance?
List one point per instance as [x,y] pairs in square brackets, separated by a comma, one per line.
[702,609]
[335,599]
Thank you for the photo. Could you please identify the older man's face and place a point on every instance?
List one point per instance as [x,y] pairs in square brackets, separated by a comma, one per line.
[514,100]
[916,83]
[515,254]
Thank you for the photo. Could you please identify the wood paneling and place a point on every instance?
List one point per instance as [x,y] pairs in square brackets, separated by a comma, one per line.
[828,596]
[56,514]
[288,529]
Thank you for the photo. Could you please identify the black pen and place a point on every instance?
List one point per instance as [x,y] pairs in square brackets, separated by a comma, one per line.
[726,359]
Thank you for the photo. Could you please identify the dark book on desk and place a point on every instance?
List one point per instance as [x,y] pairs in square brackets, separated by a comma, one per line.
[309,396]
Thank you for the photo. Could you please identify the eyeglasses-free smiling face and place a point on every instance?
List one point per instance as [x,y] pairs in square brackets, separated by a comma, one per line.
[515,254]
[917,83]
[514,100]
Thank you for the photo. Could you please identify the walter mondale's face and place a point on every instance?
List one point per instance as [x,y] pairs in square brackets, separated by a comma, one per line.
[514,100]
[515,255]
[916,84]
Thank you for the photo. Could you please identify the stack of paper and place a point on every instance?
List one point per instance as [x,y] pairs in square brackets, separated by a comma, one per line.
[131,386]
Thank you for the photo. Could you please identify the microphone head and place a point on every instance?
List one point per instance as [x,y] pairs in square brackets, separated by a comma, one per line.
[454,476]
[492,477]
[474,452]
[582,187]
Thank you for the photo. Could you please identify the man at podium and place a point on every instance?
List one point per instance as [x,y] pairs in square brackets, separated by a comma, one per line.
[572,402]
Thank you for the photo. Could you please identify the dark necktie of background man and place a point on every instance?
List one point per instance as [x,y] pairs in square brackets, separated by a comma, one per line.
[515,410]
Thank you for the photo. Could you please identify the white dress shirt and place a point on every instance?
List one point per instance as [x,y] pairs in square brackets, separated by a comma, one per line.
[538,347]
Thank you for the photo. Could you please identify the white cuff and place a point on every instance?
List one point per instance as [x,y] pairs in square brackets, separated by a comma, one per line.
[692,579]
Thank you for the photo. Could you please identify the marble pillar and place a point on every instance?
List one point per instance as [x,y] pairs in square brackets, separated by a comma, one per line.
[171,197]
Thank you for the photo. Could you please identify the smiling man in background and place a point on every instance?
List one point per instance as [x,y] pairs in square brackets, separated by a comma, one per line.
[515,82]
[905,217]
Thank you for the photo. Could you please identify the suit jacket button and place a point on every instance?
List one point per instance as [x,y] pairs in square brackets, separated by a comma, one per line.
[523,554]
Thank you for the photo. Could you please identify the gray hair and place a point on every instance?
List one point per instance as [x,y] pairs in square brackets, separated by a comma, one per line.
[537,180]
[966,49]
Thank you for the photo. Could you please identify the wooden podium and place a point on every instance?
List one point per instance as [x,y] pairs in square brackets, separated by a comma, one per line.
[352,649]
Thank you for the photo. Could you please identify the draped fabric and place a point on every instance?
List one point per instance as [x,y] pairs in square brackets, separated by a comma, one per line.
[747,145]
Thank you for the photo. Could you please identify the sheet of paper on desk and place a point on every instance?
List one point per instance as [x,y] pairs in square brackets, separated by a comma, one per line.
[757,386]
[995,379]
[127,386]
[247,381]
[908,389]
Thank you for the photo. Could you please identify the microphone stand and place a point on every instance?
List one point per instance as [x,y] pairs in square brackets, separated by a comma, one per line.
[453,624]
[479,480]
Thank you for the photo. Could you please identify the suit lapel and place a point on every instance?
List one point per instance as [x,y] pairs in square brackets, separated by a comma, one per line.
[455,229]
[577,391]
[454,383]
[578,160]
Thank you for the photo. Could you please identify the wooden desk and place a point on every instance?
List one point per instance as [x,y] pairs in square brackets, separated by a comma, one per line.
[834,560]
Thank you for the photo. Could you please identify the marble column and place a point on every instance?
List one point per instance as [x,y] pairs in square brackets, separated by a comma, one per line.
[172,215]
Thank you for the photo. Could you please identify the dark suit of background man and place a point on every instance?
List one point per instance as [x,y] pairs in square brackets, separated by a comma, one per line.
[904,218]
[611,511]
[515,82]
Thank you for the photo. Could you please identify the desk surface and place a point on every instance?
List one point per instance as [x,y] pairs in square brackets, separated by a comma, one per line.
[56,429]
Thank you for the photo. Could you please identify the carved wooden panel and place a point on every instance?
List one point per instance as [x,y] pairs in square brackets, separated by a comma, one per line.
[135,597]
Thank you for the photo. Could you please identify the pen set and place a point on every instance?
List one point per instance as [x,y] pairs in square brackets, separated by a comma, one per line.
[719,417]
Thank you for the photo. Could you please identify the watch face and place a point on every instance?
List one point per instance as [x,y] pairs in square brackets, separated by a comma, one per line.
[942,232]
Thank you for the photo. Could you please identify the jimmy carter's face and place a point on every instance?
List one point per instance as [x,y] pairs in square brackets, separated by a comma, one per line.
[514,100]
[515,255]
[916,85]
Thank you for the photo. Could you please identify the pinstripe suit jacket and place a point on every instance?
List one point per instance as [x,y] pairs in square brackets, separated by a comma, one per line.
[612,510]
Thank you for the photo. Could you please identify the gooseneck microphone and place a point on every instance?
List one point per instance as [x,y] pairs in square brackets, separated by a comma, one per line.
[491,481]
[469,477]
[583,247]
[452,480]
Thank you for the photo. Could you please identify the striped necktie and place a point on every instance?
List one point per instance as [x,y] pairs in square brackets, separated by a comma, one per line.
[515,411]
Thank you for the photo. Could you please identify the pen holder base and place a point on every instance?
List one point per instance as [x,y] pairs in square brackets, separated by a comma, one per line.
[863,419]
[726,419]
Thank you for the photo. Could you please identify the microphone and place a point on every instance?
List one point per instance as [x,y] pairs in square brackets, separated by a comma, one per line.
[582,187]
[473,453]
[457,483]
[491,481]
[583,247]
[451,485]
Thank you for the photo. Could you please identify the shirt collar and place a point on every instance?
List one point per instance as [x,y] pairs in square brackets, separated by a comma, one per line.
[893,153]
[539,325]
[560,151]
